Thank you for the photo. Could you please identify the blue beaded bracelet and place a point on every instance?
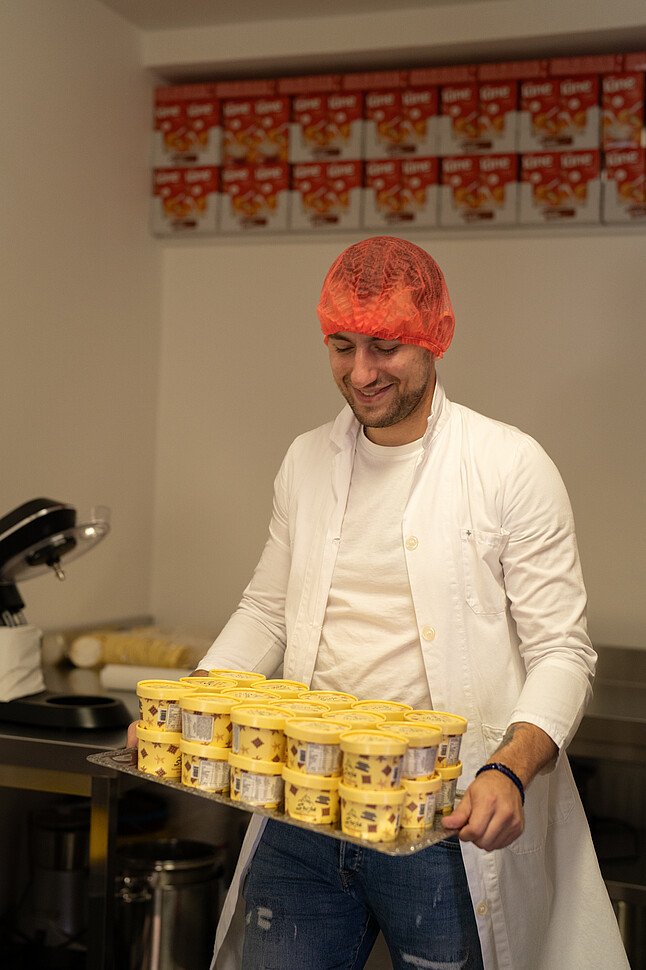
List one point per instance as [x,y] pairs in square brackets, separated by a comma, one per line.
[497,766]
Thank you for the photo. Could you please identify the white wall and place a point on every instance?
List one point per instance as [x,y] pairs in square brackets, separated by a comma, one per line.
[80,288]
[548,337]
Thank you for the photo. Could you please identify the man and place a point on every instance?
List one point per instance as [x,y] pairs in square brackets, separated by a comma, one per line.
[423,553]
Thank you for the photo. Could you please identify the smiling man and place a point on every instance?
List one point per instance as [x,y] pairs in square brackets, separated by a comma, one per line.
[422,553]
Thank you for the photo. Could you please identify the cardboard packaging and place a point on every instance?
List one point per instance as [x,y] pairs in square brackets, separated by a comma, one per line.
[478,118]
[479,190]
[622,110]
[326,126]
[254,198]
[326,195]
[401,123]
[559,114]
[185,201]
[255,131]
[560,187]
[401,192]
[187,127]
[624,186]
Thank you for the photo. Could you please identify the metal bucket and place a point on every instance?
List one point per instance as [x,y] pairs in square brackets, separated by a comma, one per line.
[166,905]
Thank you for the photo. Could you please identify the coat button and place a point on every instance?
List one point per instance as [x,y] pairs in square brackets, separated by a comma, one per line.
[412,542]
[428,633]
[482,909]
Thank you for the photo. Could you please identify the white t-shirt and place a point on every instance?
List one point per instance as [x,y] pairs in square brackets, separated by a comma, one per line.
[370,641]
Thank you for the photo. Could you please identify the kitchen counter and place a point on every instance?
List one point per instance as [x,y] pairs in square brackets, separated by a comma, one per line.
[614,725]
[53,759]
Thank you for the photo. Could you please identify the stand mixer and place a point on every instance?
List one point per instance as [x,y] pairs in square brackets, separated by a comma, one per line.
[33,539]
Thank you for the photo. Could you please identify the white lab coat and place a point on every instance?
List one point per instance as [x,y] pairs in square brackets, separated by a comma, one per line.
[500,604]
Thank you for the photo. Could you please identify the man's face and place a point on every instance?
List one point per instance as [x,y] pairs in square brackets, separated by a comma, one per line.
[388,385]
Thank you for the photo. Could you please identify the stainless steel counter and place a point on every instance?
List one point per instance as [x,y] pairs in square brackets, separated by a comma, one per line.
[614,725]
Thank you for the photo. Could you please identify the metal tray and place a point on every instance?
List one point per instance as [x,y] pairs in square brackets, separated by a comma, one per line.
[407,841]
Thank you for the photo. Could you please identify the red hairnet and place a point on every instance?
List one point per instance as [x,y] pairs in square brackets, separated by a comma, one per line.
[388,288]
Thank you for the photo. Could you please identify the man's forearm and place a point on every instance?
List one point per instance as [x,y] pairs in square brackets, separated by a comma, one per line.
[527,750]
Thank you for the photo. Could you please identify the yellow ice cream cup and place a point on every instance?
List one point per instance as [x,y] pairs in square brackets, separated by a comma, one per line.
[245,694]
[372,759]
[158,752]
[205,766]
[311,798]
[313,745]
[393,710]
[159,704]
[286,689]
[423,744]
[445,799]
[206,718]
[258,732]
[452,727]
[244,678]
[355,720]
[297,707]
[208,683]
[418,810]
[258,783]
[336,700]
[371,815]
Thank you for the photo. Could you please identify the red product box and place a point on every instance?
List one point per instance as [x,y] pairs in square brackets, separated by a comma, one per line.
[254,197]
[512,70]
[186,126]
[560,186]
[622,110]
[185,200]
[401,122]
[326,195]
[401,191]
[559,113]
[326,126]
[255,131]
[624,185]
[479,190]
[309,84]
[479,117]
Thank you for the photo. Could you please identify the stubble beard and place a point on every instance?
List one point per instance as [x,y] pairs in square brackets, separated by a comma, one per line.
[399,409]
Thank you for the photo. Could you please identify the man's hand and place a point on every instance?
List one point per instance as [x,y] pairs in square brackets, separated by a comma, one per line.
[491,811]
[131,737]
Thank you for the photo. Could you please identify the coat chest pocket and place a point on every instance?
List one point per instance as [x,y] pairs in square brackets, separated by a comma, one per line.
[484,588]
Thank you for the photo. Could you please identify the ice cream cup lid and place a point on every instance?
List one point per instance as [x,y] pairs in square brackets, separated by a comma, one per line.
[419,734]
[162,689]
[368,796]
[322,782]
[255,767]
[373,741]
[212,751]
[420,786]
[258,716]
[145,733]
[449,772]
[448,723]
[316,730]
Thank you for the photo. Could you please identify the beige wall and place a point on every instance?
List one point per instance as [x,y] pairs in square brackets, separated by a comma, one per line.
[80,289]
[548,337]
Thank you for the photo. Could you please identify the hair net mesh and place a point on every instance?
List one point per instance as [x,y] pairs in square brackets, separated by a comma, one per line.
[388,288]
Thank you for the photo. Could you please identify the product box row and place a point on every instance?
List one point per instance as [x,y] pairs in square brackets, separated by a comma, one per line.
[543,188]
[529,106]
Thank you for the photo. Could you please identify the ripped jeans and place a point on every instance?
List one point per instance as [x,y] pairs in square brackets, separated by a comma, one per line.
[315,903]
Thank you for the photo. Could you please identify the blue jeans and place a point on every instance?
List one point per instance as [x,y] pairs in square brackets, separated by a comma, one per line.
[316,903]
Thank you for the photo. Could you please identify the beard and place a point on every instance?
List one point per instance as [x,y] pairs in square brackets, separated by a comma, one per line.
[402,403]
